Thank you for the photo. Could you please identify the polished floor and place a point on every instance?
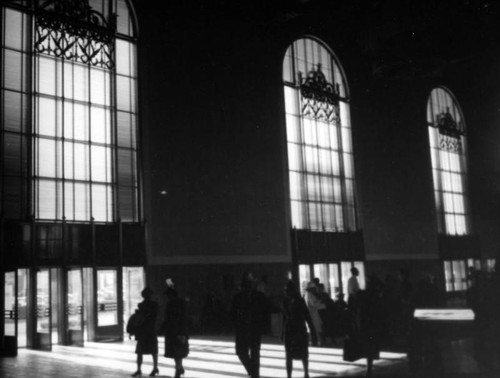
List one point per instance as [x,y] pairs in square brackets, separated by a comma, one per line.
[215,358]
[207,359]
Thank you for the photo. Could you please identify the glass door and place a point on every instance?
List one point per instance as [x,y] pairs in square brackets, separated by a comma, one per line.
[10,309]
[133,283]
[74,307]
[108,325]
[43,311]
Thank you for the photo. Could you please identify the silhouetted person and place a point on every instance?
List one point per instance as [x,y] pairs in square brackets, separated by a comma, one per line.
[175,327]
[369,326]
[352,285]
[314,305]
[295,317]
[147,342]
[249,313]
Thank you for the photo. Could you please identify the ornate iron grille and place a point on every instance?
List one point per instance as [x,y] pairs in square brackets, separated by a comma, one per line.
[450,132]
[450,144]
[71,29]
[320,99]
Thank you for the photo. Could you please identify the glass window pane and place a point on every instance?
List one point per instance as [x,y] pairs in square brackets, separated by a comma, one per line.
[325,162]
[124,23]
[49,196]
[80,83]
[348,165]
[345,117]
[107,301]
[99,121]
[69,201]
[81,122]
[346,139]
[124,129]
[12,151]
[81,156]
[295,186]
[293,128]
[294,157]
[310,135]
[14,111]
[101,164]
[123,92]
[339,218]
[349,192]
[323,134]
[298,217]
[313,188]
[47,117]
[47,75]
[69,161]
[13,29]
[13,64]
[81,201]
[327,189]
[68,79]
[329,217]
[291,101]
[98,86]
[287,67]
[123,57]
[311,159]
[101,202]
[46,158]
[314,212]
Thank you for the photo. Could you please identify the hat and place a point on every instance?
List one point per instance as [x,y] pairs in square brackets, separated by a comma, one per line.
[310,286]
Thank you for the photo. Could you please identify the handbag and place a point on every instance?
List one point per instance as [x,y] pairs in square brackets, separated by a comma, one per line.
[135,322]
[353,349]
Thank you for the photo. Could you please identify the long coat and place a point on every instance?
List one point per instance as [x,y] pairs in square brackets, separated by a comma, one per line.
[295,317]
[147,342]
[175,328]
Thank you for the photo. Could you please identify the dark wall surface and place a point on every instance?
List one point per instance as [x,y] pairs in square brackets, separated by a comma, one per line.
[213,124]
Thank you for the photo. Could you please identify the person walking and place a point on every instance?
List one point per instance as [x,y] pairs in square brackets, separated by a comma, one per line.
[295,317]
[175,329]
[314,305]
[147,342]
[249,313]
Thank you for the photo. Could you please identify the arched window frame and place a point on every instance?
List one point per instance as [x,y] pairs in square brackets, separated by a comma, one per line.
[319,141]
[448,147]
[65,164]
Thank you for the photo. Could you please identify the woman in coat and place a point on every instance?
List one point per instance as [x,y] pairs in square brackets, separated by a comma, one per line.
[176,339]
[147,342]
[295,317]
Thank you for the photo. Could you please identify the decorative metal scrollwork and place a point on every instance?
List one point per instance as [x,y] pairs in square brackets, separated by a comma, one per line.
[71,29]
[450,133]
[449,143]
[320,99]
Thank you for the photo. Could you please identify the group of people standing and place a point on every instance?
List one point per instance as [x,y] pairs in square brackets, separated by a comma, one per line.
[307,319]
[250,311]
[174,328]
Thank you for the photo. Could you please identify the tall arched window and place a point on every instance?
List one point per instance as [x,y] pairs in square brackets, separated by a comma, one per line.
[320,155]
[449,162]
[70,115]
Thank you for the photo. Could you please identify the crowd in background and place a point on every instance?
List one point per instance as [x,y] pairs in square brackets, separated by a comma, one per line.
[361,321]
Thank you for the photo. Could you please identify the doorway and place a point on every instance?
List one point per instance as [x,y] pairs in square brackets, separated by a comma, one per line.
[75,325]
[133,283]
[108,323]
